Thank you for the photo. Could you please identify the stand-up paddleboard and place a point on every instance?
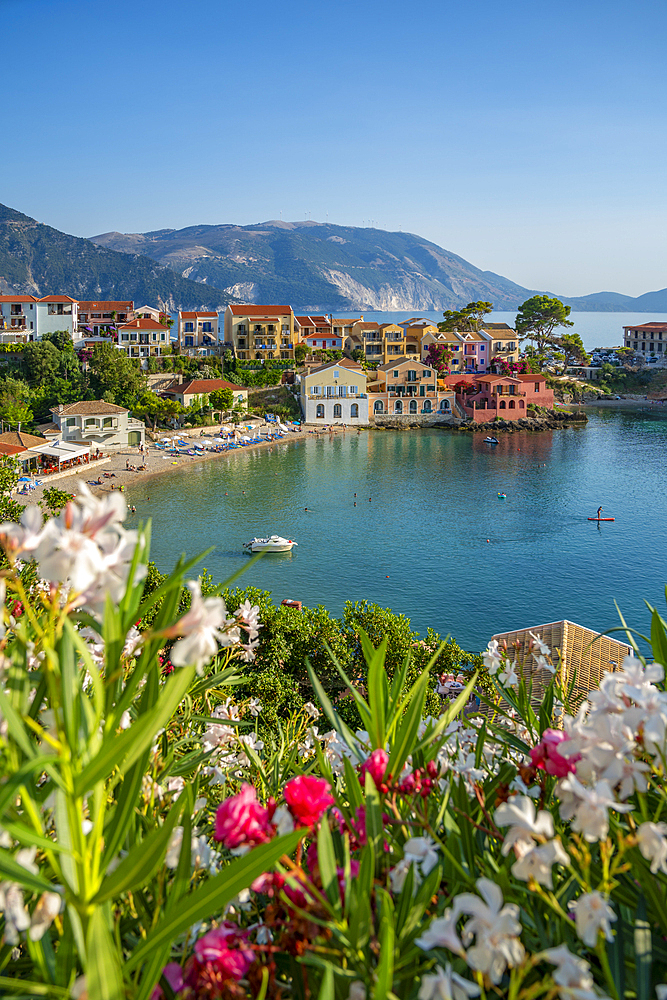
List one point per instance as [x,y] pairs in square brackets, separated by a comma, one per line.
[601,518]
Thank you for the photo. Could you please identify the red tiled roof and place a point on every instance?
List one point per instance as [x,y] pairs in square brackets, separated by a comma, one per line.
[57,298]
[251,310]
[533,377]
[194,315]
[18,298]
[143,324]
[647,326]
[343,363]
[201,386]
[107,306]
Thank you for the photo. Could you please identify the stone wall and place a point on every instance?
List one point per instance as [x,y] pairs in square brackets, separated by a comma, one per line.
[407,421]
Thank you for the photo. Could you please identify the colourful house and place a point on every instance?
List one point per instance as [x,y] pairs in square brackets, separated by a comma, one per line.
[318,333]
[484,396]
[406,387]
[259,333]
[143,338]
[335,393]
[198,333]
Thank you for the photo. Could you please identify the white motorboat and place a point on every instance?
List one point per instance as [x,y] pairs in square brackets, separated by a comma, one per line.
[490,440]
[275,543]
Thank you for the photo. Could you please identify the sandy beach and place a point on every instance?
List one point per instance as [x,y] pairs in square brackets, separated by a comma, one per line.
[114,473]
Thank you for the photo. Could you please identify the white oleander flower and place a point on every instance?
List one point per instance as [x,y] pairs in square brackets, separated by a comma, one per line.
[446,985]
[653,845]
[572,972]
[17,918]
[24,536]
[539,645]
[399,873]
[441,933]
[492,657]
[592,914]
[537,863]
[422,850]
[588,807]
[661,991]
[357,991]
[495,928]
[254,707]
[525,825]
[47,909]
[201,628]
[248,615]
[509,676]
[283,820]
[311,710]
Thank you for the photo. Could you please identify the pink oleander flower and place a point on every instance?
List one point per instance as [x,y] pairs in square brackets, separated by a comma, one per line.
[222,949]
[308,798]
[376,766]
[173,973]
[546,756]
[242,821]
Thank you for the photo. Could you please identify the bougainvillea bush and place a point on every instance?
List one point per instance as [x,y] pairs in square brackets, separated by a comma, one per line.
[157,842]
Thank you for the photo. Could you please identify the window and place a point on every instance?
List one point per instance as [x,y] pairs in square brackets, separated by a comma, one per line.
[107,422]
[90,422]
[163,336]
[336,373]
[338,410]
[133,336]
[413,406]
[241,328]
[189,341]
[398,406]
[189,327]
[71,421]
[537,386]
[319,412]
[207,327]
[317,390]
[352,389]
[412,375]
[426,408]
[379,406]
[396,373]
[512,404]
[426,373]
[354,410]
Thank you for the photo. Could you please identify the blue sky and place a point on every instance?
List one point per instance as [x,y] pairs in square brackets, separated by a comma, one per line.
[527,137]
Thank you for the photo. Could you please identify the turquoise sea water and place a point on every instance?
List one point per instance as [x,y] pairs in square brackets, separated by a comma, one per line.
[435,541]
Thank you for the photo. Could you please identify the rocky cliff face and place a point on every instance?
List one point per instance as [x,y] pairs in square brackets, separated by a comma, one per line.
[322,267]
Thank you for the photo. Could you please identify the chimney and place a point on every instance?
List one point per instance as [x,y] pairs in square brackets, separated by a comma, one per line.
[60,407]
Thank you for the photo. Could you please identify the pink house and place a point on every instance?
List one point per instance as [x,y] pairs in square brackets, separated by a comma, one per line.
[485,396]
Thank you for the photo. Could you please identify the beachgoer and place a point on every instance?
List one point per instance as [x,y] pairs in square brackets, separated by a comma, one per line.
[600,509]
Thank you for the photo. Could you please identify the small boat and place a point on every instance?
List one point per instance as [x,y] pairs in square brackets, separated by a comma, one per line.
[503,496]
[275,543]
[490,440]
[601,518]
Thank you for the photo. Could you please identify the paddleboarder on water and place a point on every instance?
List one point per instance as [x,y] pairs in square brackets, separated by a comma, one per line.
[600,509]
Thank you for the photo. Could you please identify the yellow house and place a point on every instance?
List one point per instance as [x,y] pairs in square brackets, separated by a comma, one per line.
[504,343]
[393,341]
[415,329]
[335,393]
[261,333]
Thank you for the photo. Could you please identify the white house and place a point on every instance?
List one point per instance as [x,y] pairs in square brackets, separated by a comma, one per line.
[99,423]
[57,312]
[335,393]
[18,318]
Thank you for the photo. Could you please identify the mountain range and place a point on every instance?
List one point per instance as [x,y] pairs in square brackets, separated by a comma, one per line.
[325,267]
[315,266]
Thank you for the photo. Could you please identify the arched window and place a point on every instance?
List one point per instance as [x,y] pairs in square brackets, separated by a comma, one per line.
[512,404]
[338,410]
[319,412]
[354,410]
[398,406]
[444,404]
[378,407]
[502,404]
[413,406]
[521,404]
[427,406]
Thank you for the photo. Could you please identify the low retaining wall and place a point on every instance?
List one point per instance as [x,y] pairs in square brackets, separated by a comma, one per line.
[551,422]
[78,470]
[406,422]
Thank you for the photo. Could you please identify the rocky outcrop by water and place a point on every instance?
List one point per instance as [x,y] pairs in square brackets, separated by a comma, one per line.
[544,422]
[555,420]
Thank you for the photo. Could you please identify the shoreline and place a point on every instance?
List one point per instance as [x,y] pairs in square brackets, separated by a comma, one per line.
[158,464]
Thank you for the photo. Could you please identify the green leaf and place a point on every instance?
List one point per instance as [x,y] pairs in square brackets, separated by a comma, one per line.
[643,952]
[119,752]
[362,888]
[213,895]
[327,987]
[30,989]
[374,825]
[616,954]
[143,861]
[404,740]
[103,971]
[326,861]
[385,969]
[330,712]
